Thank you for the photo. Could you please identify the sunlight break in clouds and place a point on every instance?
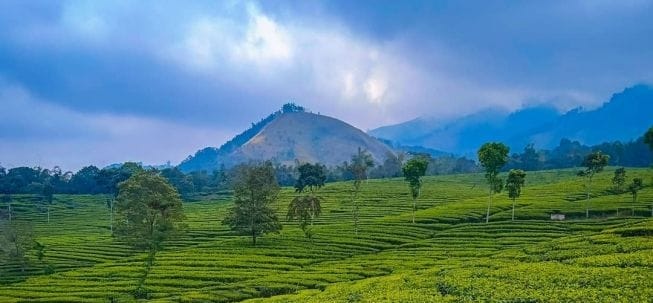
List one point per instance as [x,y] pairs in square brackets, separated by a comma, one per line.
[339,68]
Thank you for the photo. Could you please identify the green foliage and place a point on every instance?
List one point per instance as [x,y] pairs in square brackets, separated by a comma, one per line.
[514,183]
[619,180]
[593,163]
[254,193]
[361,162]
[648,137]
[306,206]
[493,156]
[447,257]
[16,240]
[413,171]
[311,177]
[148,211]
[635,187]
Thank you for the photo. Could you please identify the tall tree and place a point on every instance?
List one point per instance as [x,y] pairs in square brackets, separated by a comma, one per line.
[634,189]
[361,162]
[6,198]
[108,180]
[5,190]
[255,191]
[493,156]
[148,211]
[530,158]
[594,163]
[618,183]
[16,240]
[648,137]
[619,180]
[48,196]
[514,183]
[414,170]
[306,206]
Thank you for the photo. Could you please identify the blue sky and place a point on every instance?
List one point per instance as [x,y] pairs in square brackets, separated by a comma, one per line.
[99,82]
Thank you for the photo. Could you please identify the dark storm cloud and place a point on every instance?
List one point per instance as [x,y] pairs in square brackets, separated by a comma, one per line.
[210,68]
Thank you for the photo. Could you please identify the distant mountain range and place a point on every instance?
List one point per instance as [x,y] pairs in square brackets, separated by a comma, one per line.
[288,135]
[626,116]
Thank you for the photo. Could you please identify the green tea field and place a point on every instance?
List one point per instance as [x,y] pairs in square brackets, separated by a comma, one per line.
[448,255]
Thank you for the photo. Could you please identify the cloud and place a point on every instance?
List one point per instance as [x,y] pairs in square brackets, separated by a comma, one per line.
[36,133]
[123,72]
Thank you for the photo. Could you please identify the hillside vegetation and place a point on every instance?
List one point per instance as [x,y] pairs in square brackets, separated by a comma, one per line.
[448,255]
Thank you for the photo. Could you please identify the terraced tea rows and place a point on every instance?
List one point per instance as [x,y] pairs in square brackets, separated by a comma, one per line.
[447,255]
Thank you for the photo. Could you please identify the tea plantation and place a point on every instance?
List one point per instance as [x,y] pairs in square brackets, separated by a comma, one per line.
[449,255]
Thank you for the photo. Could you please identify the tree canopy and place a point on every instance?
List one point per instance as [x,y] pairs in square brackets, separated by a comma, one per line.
[493,156]
[255,190]
[148,210]
[514,183]
[311,177]
[648,137]
[414,170]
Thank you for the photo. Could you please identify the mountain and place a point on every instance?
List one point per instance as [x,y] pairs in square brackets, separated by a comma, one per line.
[624,117]
[287,136]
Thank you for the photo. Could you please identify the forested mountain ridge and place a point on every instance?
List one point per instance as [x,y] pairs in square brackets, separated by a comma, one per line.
[623,118]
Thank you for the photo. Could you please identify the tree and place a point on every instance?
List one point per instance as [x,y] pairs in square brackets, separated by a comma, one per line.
[306,207]
[16,240]
[148,211]
[181,182]
[6,198]
[255,190]
[514,182]
[361,162]
[413,171]
[530,158]
[619,180]
[493,156]
[5,190]
[648,137]
[108,180]
[634,188]
[48,197]
[593,163]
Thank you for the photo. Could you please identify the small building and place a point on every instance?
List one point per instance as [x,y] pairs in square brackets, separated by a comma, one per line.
[557,217]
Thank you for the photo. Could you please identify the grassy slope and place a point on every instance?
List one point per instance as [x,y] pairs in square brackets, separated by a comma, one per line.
[448,255]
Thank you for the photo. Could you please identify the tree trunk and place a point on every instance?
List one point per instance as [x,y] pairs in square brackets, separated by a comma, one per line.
[48,214]
[253,238]
[111,216]
[414,207]
[9,211]
[355,212]
[487,215]
[356,218]
[587,203]
[513,209]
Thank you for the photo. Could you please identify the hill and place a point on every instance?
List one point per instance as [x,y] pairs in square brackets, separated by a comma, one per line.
[290,135]
[624,117]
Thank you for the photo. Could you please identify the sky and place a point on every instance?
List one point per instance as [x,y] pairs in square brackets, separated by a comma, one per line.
[102,82]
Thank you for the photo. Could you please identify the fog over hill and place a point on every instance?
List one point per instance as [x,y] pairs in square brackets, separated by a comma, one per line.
[624,117]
